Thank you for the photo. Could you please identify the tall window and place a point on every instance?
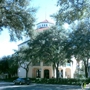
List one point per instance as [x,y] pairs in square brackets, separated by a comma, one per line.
[38,73]
[62,73]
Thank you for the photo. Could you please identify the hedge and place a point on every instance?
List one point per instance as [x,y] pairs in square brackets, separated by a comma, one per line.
[62,81]
[68,81]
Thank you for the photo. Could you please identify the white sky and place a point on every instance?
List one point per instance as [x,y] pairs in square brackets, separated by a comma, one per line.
[45,9]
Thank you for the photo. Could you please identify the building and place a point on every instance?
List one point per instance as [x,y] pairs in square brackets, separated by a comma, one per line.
[44,70]
[44,25]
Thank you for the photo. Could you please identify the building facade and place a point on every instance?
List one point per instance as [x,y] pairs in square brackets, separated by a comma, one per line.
[44,70]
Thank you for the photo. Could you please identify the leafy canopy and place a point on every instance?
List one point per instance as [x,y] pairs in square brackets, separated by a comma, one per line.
[49,45]
[72,10]
[18,17]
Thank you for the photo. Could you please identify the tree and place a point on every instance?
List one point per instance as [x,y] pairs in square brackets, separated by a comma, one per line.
[4,65]
[18,17]
[80,72]
[76,12]
[7,66]
[79,44]
[13,66]
[25,57]
[72,10]
[49,47]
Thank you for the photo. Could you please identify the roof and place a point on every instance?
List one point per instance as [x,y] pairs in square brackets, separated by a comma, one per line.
[42,29]
[45,21]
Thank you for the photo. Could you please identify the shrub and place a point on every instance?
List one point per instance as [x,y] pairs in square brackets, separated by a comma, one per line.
[68,81]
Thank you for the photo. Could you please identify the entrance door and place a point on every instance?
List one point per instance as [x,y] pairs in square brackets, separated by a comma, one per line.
[46,73]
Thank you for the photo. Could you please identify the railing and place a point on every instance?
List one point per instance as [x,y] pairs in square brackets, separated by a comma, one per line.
[68,64]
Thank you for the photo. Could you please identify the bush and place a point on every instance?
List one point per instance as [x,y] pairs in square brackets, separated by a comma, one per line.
[68,81]
[9,79]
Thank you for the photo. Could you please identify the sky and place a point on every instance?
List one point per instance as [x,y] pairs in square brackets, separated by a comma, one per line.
[45,8]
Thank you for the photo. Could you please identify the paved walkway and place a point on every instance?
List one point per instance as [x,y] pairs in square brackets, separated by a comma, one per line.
[8,85]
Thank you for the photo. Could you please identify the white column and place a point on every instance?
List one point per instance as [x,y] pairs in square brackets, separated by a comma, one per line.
[55,73]
[42,75]
[63,72]
[72,72]
[52,72]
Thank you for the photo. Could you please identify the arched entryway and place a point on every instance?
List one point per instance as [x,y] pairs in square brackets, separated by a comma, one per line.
[36,73]
[68,72]
[46,73]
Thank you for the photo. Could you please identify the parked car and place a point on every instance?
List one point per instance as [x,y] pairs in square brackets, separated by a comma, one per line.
[22,81]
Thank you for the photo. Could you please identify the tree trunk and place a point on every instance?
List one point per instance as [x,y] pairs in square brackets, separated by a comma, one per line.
[27,69]
[57,71]
[26,73]
[87,67]
[86,72]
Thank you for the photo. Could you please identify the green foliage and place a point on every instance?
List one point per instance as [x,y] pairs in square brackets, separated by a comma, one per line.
[48,47]
[8,66]
[71,10]
[4,67]
[87,80]
[18,17]
[78,43]
[76,14]
[11,79]
[61,81]
[26,56]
